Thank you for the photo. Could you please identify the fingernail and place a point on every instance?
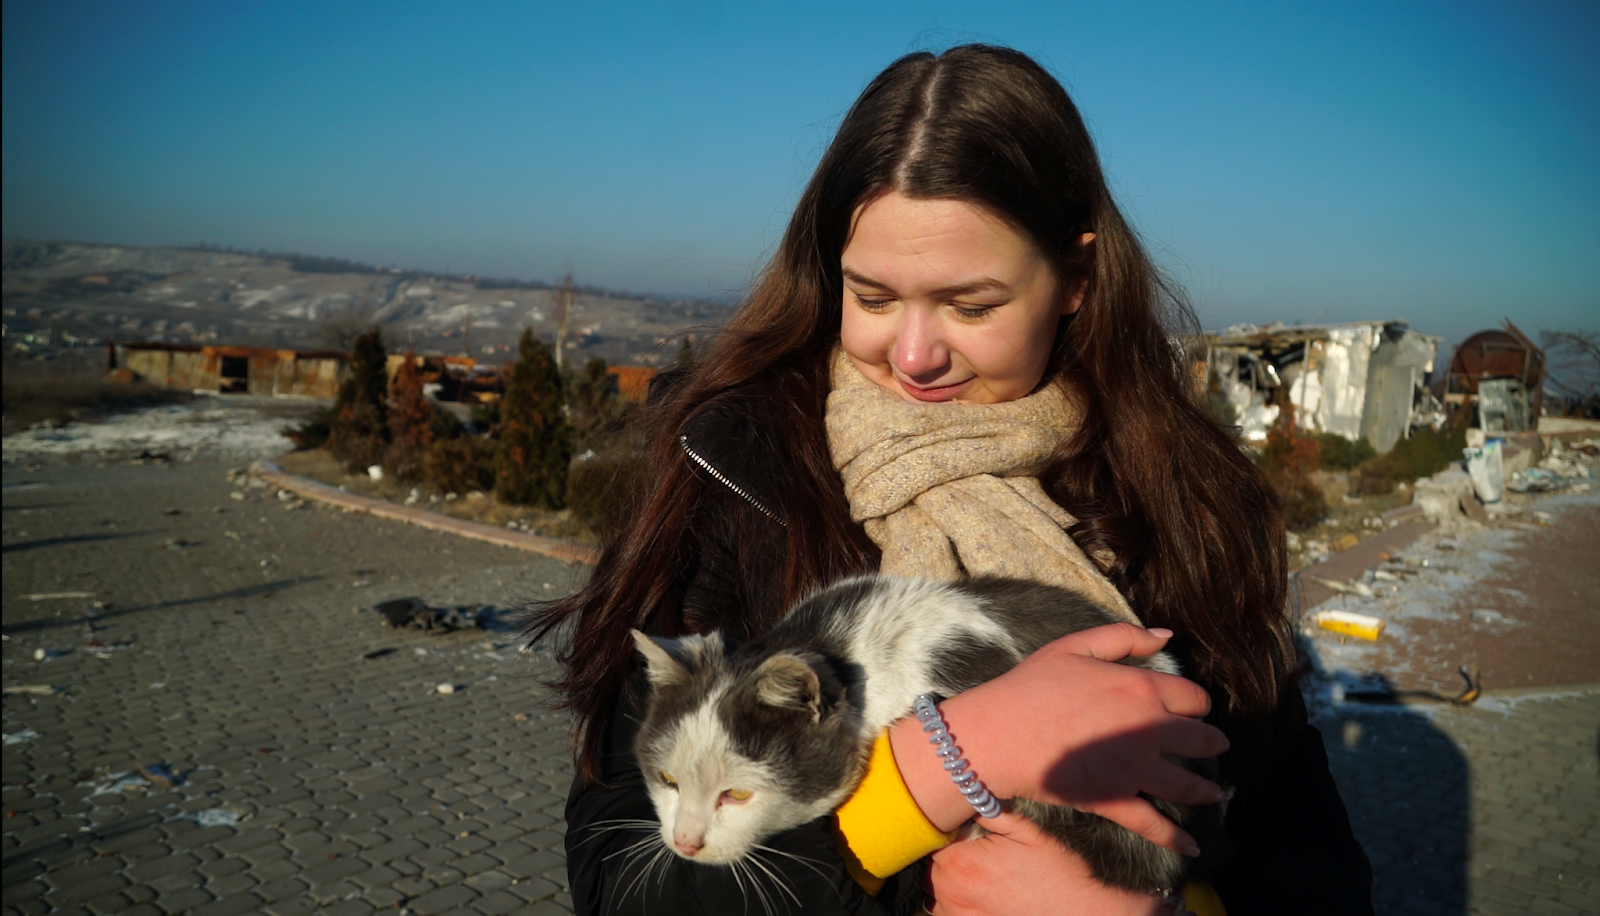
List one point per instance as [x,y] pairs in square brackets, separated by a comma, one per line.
[1162,632]
[1191,850]
[1221,795]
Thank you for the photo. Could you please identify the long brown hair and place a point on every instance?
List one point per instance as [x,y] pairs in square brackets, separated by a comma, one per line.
[1150,476]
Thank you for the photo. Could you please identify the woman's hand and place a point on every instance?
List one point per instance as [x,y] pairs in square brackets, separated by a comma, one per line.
[1018,871]
[1070,727]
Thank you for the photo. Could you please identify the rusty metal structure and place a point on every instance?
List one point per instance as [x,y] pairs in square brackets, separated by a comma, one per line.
[262,371]
[1496,381]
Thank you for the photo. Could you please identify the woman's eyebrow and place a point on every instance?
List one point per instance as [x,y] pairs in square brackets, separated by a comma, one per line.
[961,289]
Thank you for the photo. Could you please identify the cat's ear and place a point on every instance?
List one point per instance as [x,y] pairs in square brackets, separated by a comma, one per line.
[788,682]
[661,668]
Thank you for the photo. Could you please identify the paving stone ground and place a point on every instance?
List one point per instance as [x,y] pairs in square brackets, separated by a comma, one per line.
[1492,809]
[315,780]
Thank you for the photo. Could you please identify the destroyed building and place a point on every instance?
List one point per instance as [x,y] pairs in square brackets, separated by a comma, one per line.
[261,371]
[271,372]
[1360,380]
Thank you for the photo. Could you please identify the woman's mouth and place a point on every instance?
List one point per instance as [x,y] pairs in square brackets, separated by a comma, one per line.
[939,393]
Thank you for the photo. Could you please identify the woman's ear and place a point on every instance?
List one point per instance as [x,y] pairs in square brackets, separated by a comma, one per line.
[1073,300]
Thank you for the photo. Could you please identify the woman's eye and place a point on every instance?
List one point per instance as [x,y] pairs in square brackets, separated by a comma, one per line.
[738,795]
[667,778]
[871,305]
[973,311]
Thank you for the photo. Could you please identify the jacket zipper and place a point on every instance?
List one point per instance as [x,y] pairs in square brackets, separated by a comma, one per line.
[740,491]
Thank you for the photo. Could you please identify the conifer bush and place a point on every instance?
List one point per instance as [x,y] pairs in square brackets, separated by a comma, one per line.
[411,422]
[358,434]
[535,448]
[594,406]
[1287,461]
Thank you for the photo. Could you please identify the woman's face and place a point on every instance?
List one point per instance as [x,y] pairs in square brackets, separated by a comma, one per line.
[945,302]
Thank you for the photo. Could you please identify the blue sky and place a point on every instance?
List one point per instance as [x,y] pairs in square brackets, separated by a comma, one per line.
[1285,161]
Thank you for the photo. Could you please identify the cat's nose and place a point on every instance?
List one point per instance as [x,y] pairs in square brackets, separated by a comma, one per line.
[687,847]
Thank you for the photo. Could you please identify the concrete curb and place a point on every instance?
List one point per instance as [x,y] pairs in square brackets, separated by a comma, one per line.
[570,551]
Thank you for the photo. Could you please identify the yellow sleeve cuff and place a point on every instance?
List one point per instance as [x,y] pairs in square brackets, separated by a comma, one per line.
[1201,900]
[881,829]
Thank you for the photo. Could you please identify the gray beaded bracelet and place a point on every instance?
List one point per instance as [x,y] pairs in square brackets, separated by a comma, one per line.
[967,782]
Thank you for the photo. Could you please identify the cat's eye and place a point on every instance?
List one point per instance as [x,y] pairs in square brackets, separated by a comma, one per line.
[738,795]
[667,778]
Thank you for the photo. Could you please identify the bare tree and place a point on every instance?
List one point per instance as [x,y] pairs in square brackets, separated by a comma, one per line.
[339,332]
[1575,355]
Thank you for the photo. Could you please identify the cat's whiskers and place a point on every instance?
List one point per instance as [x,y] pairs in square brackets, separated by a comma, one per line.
[599,828]
[815,865]
[755,884]
[772,873]
[641,880]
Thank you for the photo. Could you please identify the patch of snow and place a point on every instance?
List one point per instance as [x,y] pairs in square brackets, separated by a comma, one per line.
[209,424]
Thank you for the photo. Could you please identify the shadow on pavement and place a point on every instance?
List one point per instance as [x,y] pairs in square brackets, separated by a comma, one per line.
[263,590]
[1408,791]
[20,546]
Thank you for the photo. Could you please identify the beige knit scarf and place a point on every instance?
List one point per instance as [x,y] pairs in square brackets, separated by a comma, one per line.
[946,487]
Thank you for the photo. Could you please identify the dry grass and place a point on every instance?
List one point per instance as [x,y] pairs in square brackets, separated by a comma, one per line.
[34,395]
[1346,514]
[321,466]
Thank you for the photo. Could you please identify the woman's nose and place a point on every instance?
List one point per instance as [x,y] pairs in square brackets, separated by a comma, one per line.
[919,346]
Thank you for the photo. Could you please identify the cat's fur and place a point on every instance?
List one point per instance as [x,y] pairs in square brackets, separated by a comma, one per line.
[791,717]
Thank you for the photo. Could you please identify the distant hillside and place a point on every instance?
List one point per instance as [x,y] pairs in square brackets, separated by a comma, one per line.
[80,292]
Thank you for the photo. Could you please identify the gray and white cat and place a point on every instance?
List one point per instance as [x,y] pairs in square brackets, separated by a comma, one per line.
[740,743]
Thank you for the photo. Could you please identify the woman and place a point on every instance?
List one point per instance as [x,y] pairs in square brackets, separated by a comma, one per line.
[957,260]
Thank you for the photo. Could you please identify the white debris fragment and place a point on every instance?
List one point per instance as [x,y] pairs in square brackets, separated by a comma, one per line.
[446,688]
[26,734]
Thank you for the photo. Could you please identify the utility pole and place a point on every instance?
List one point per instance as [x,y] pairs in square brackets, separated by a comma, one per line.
[466,331]
[563,297]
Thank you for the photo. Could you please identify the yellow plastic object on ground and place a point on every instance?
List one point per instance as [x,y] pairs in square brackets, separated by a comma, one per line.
[1348,624]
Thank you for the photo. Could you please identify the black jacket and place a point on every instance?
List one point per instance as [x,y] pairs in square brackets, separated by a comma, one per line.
[1291,838]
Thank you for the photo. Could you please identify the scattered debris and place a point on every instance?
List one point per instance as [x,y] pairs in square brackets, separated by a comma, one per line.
[1488,616]
[446,688]
[172,511]
[159,774]
[214,817]
[1385,694]
[27,734]
[375,471]
[413,613]
[378,653]
[1349,624]
[33,690]
[1344,588]
[46,596]
[1345,542]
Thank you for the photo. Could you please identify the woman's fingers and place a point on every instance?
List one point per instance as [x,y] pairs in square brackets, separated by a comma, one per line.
[1191,738]
[1142,818]
[1111,642]
[1183,697]
[1169,781]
